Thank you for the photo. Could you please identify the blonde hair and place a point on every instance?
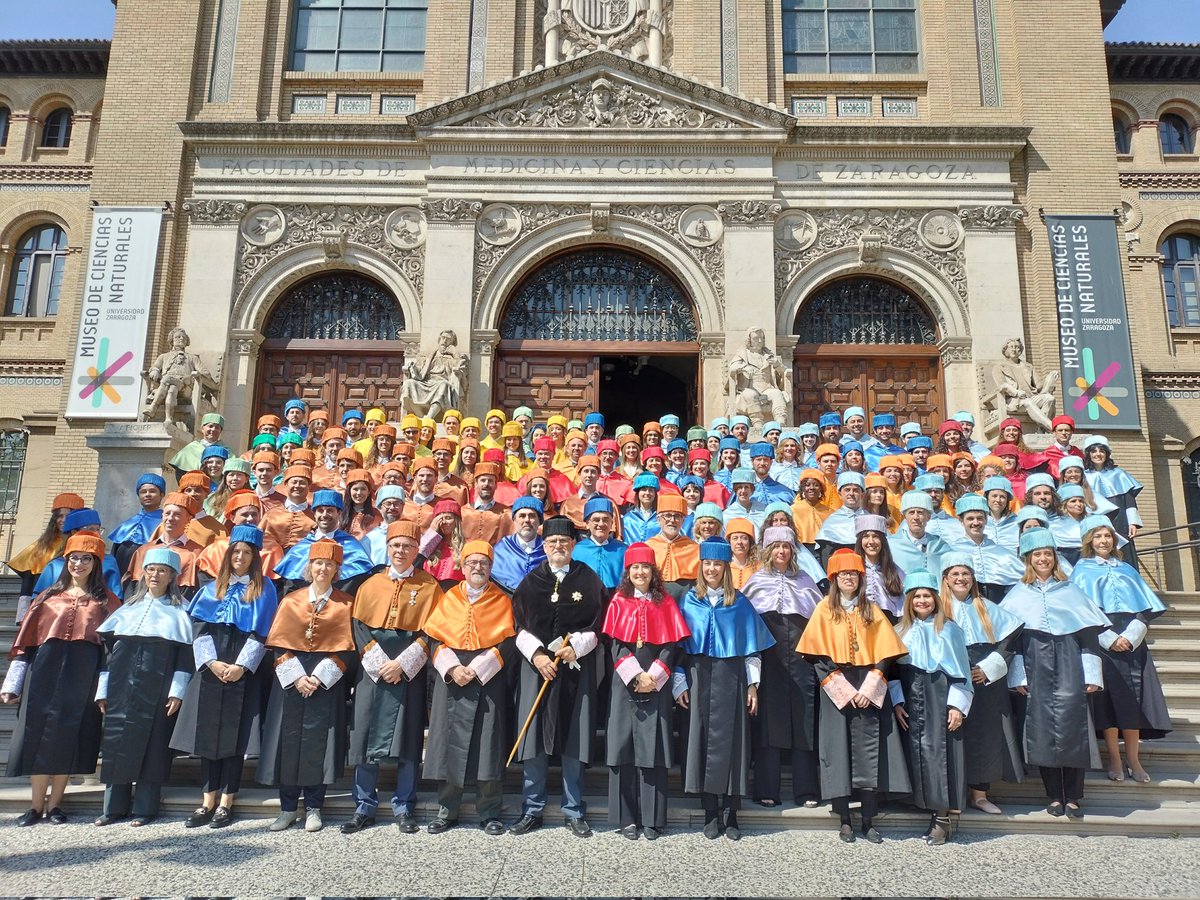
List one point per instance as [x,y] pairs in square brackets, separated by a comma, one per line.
[947,602]
[1088,551]
[726,583]
[1030,575]
[908,617]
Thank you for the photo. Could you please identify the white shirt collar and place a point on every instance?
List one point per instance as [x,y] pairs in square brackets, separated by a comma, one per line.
[399,576]
[295,507]
[319,600]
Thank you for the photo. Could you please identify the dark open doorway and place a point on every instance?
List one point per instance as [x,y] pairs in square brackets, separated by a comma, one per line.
[634,390]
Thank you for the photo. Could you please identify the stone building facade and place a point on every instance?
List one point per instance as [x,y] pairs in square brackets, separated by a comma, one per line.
[595,196]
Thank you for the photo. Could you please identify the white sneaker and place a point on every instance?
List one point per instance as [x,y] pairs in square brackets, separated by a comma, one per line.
[312,820]
[285,820]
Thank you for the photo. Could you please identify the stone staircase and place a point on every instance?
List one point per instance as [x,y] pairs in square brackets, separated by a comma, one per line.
[1169,805]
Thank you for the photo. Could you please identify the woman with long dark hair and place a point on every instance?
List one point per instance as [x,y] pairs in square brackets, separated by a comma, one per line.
[223,706]
[30,562]
[644,627]
[884,579]
[55,665]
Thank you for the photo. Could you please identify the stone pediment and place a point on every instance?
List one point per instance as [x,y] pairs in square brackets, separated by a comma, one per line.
[601,90]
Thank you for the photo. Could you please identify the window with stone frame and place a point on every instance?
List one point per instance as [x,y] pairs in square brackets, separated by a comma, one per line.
[850,36]
[1175,135]
[1121,134]
[1181,279]
[5,119]
[56,131]
[359,36]
[37,273]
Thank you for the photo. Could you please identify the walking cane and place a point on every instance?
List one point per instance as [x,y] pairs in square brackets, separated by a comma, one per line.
[536,703]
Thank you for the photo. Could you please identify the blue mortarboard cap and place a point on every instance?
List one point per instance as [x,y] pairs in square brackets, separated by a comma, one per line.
[771,426]
[598,504]
[930,481]
[829,419]
[730,443]
[740,420]
[854,411]
[742,476]
[910,428]
[352,414]
[689,481]
[669,420]
[162,556]
[389,492]
[847,446]
[918,441]
[327,498]
[1070,492]
[527,502]
[716,548]
[970,503]
[718,423]
[761,448]
[676,444]
[150,478]
[294,403]
[853,478]
[78,519]
[593,418]
[646,480]
[215,450]
[883,419]
[1036,513]
[1041,479]
[709,511]
[1092,522]
[998,483]
[920,579]
[1037,539]
[957,558]
[246,534]
[916,500]
[808,428]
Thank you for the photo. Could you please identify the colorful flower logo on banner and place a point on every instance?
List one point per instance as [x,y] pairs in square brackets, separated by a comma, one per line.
[1089,389]
[101,379]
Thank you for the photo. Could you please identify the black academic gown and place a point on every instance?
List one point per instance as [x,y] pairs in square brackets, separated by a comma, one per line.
[137,730]
[787,696]
[1132,695]
[935,754]
[218,719]
[389,719]
[565,721]
[991,743]
[859,748]
[639,726]
[58,723]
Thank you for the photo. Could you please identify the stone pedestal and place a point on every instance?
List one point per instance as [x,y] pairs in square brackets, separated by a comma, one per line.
[126,451]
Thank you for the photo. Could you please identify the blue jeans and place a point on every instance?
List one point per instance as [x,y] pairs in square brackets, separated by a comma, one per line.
[573,805]
[289,796]
[366,796]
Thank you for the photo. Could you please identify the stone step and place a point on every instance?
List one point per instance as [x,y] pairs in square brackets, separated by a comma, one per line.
[83,801]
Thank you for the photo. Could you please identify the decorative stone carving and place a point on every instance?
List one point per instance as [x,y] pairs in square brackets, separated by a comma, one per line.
[955,350]
[759,382]
[1131,215]
[263,225]
[871,230]
[991,218]
[603,104]
[667,217]
[1019,390]
[700,226]
[638,28]
[405,228]
[449,210]
[531,217]
[334,228]
[437,382]
[941,231]
[749,212]
[795,230]
[177,373]
[484,343]
[214,212]
[712,345]
[600,217]
[499,225]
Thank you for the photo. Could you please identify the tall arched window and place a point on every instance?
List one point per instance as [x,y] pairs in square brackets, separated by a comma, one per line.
[1181,276]
[1120,133]
[5,118]
[37,272]
[57,130]
[1175,135]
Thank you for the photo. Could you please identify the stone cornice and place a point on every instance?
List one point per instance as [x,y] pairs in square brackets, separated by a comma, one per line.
[607,62]
[316,136]
[50,174]
[1160,180]
[883,140]
[1171,381]
[31,367]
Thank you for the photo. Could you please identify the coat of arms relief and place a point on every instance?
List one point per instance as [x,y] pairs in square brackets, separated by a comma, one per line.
[637,28]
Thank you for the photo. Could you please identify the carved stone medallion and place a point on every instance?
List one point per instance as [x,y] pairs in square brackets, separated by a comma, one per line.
[700,226]
[499,224]
[941,231]
[263,225]
[795,230]
[405,228]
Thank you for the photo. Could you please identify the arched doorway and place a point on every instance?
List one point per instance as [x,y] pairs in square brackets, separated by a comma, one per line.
[332,341]
[867,342]
[599,328]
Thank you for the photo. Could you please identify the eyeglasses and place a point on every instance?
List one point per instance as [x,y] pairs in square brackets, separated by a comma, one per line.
[476,563]
[79,558]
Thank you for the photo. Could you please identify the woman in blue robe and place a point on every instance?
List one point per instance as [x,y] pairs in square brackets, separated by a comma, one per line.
[1055,670]
[931,695]
[1001,525]
[996,567]
[223,706]
[1118,487]
[1132,705]
[718,687]
[992,749]
[138,528]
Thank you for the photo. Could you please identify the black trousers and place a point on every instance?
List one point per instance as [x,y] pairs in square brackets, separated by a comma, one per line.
[768,765]
[637,796]
[289,796]
[222,775]
[1063,784]
[714,803]
[868,799]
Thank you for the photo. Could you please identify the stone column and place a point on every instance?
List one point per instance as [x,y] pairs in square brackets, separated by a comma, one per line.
[657,28]
[237,383]
[449,286]
[209,271]
[125,451]
[994,286]
[551,25]
[712,375]
[483,357]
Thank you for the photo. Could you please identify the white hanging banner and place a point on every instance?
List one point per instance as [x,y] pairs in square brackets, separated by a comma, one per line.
[115,314]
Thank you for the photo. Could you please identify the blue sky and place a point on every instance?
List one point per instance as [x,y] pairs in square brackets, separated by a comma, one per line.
[1140,20]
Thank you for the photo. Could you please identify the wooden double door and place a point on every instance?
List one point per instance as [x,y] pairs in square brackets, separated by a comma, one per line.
[336,376]
[903,379]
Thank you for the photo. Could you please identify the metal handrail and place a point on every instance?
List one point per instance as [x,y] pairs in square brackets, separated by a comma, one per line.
[1143,533]
[1158,551]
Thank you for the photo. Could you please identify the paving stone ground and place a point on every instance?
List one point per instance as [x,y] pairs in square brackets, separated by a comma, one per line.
[246,860]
